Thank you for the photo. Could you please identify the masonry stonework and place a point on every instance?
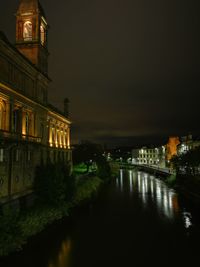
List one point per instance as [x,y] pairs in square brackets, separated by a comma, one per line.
[31,130]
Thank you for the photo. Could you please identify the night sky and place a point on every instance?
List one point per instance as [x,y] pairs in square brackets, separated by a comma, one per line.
[131,68]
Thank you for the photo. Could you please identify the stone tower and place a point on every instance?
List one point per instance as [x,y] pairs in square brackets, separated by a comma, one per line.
[31,33]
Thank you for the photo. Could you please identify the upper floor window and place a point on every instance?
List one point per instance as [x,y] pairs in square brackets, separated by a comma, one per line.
[1,117]
[41,130]
[42,34]
[15,120]
[2,114]
[27,123]
[27,31]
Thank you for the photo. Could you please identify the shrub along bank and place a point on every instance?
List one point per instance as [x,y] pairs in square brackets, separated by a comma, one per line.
[187,166]
[56,193]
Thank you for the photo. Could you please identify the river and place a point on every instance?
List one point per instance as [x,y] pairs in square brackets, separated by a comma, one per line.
[135,221]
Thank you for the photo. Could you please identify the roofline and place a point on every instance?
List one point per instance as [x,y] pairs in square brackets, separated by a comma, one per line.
[4,38]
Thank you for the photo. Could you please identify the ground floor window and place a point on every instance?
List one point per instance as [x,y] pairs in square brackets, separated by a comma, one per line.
[16,155]
[1,155]
[28,155]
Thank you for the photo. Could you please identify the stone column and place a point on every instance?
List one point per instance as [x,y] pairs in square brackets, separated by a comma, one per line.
[56,135]
[23,119]
[32,124]
[50,134]
[11,126]
[64,137]
[68,138]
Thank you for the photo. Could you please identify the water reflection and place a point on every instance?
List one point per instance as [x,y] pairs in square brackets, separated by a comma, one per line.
[63,256]
[150,190]
[127,218]
[131,181]
[153,190]
[187,219]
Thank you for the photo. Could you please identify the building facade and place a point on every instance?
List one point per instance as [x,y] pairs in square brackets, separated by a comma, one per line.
[172,147]
[154,156]
[31,130]
[187,143]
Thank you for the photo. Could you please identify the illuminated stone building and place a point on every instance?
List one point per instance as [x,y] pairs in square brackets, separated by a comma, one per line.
[171,147]
[31,130]
[188,143]
[149,156]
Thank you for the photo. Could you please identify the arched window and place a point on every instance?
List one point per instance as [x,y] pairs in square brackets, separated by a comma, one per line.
[1,117]
[2,114]
[27,31]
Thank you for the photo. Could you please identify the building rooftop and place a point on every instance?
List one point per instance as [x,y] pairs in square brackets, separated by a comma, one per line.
[34,6]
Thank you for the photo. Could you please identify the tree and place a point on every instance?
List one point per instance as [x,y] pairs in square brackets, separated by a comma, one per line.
[188,163]
[87,153]
[53,183]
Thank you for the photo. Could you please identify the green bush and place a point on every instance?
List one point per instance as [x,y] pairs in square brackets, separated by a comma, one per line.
[16,228]
[103,169]
[11,235]
[35,221]
[171,180]
[86,188]
[53,184]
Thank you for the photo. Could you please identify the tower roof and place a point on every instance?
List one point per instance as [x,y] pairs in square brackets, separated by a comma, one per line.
[30,6]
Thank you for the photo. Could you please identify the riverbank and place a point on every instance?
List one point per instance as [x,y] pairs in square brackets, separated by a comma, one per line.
[16,226]
[135,212]
[187,185]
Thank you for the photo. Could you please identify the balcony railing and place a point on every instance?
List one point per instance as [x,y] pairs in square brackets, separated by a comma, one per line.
[5,135]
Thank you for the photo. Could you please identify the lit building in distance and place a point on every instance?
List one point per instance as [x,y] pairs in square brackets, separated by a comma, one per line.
[187,143]
[154,156]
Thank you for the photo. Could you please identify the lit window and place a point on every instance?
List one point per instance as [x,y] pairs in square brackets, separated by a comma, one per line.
[42,34]
[1,117]
[27,31]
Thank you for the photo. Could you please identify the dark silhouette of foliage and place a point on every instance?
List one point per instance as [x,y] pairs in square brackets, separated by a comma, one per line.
[53,183]
[87,153]
[188,163]
[10,237]
[103,171]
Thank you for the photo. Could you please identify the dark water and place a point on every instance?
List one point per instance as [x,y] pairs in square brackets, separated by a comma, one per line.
[136,221]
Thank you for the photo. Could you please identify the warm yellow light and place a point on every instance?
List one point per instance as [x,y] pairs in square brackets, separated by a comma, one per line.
[63,258]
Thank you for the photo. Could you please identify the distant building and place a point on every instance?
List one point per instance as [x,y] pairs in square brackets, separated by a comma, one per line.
[31,130]
[171,147]
[161,156]
[188,143]
[149,156]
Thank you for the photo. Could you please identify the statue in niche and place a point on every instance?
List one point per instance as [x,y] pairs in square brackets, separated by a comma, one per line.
[27,32]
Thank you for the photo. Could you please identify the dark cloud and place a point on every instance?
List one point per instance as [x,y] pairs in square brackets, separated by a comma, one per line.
[130,68]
